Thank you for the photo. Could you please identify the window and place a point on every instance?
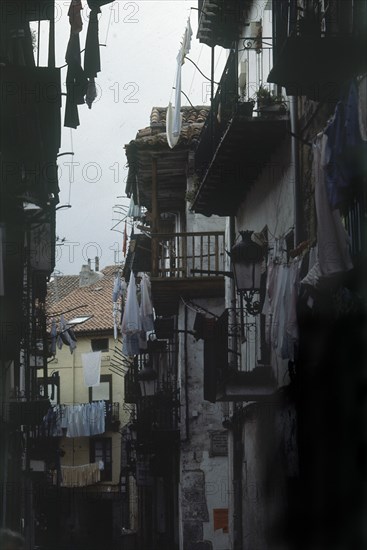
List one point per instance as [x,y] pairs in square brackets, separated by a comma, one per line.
[100,344]
[101,449]
[102,392]
[53,388]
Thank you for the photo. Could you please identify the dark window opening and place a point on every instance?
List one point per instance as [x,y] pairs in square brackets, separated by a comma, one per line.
[100,344]
[101,449]
[102,392]
[53,388]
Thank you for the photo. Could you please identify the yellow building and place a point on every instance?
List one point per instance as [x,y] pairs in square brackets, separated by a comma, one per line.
[88,479]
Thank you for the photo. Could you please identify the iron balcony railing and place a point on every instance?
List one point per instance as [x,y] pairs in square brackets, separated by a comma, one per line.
[186,255]
[158,413]
[239,341]
[112,420]
[234,98]
[222,110]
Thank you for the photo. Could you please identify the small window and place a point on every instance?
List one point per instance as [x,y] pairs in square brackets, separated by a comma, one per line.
[102,392]
[100,344]
[53,388]
[101,449]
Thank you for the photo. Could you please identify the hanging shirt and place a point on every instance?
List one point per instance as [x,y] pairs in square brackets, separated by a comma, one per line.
[332,238]
[146,308]
[131,321]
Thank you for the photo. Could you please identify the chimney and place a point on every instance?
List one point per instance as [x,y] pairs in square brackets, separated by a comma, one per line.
[87,276]
[97,263]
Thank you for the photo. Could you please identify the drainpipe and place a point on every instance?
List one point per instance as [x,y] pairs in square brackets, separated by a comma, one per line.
[237,481]
[298,212]
[232,240]
[237,451]
[187,421]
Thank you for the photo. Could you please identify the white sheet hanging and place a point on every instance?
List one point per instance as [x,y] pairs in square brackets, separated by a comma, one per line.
[92,368]
[131,321]
[146,308]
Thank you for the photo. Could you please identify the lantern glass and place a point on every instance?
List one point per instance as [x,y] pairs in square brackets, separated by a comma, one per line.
[247,257]
[147,387]
[247,276]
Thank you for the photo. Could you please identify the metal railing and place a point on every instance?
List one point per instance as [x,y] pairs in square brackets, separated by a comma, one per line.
[237,341]
[158,413]
[186,255]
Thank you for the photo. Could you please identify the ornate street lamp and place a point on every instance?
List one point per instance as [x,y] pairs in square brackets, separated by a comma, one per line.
[147,378]
[247,257]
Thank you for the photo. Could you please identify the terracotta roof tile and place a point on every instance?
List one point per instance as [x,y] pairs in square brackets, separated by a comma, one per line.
[193,119]
[60,287]
[95,299]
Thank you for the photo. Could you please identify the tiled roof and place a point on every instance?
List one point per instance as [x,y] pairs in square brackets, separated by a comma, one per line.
[95,299]
[61,286]
[189,114]
[193,119]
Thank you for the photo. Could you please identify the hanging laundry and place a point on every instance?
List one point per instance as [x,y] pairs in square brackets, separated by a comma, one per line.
[332,238]
[362,106]
[134,210]
[146,308]
[131,321]
[342,150]
[92,59]
[117,288]
[115,316]
[65,335]
[290,328]
[80,476]
[76,81]
[124,242]
[75,18]
[92,368]
[85,419]
[131,344]
[91,93]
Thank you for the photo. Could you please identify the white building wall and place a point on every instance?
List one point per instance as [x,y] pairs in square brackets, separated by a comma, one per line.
[270,202]
[203,478]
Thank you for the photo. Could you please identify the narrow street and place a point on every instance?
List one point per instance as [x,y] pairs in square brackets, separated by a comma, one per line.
[183,275]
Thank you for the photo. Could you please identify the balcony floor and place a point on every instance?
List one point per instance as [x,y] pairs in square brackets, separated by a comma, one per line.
[167,291]
[245,148]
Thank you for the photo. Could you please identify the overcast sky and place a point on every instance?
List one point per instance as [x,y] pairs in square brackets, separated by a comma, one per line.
[138,72]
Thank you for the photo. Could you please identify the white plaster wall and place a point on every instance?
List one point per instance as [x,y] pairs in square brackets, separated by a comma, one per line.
[258,64]
[196,466]
[271,202]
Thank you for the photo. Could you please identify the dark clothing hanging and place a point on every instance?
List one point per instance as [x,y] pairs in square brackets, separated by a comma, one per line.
[76,82]
[92,59]
[343,150]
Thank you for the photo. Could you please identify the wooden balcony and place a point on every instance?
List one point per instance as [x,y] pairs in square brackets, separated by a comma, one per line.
[234,369]
[218,22]
[318,48]
[234,147]
[186,264]
[158,416]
